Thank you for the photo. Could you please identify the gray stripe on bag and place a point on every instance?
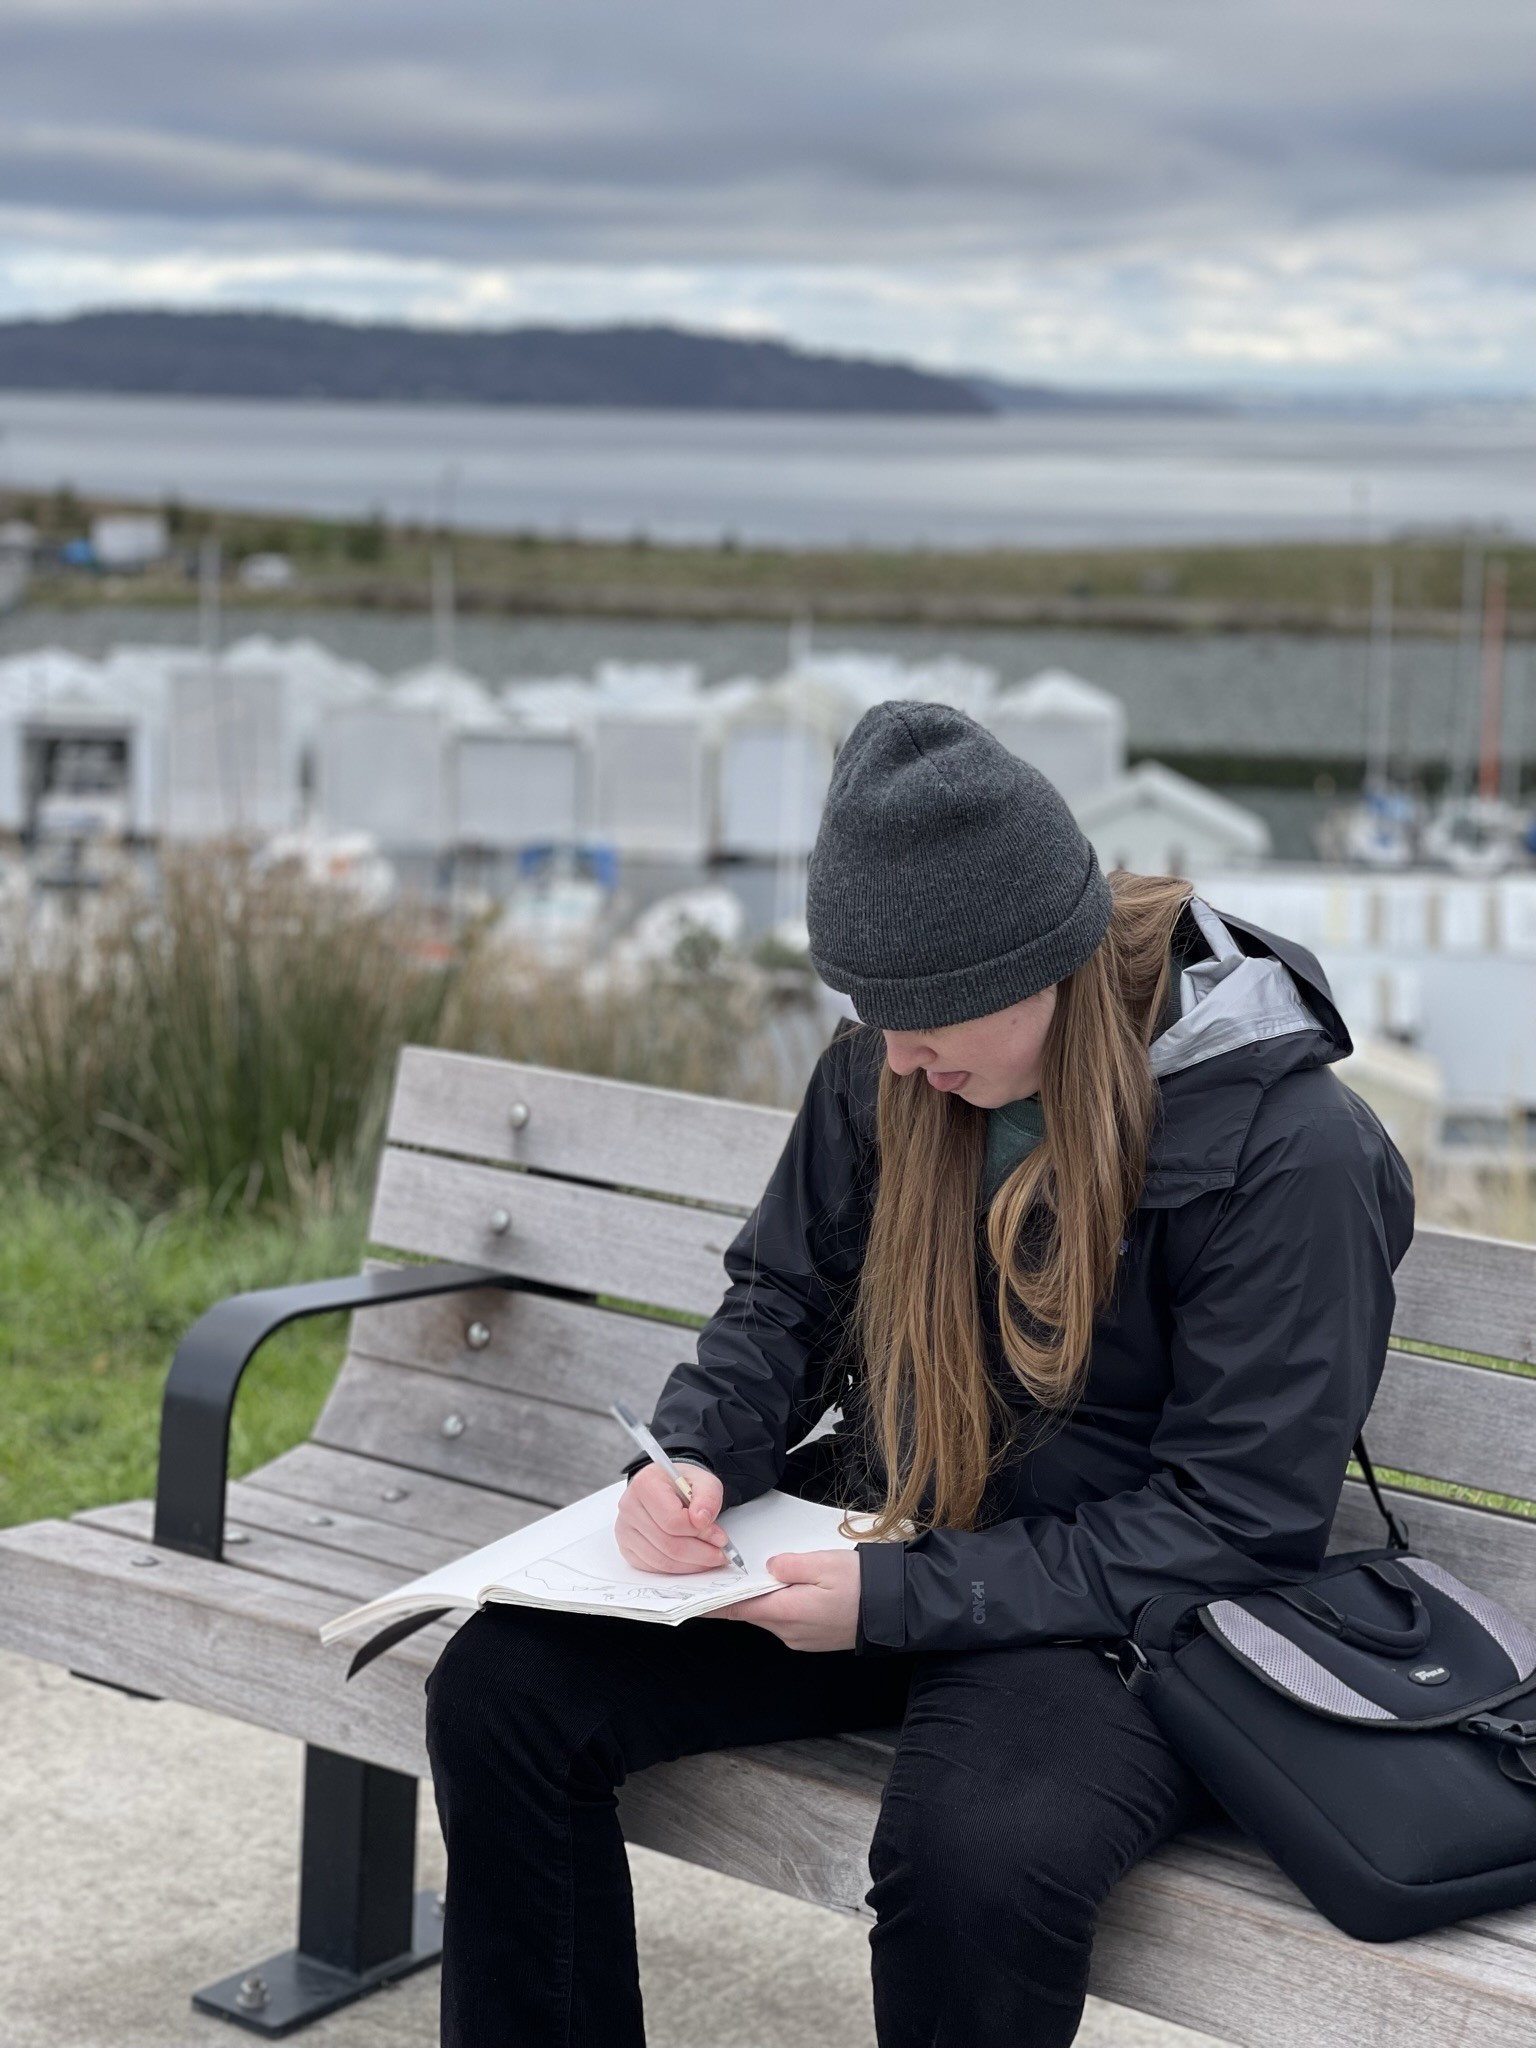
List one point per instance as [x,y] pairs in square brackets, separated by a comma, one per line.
[1512,1636]
[1290,1666]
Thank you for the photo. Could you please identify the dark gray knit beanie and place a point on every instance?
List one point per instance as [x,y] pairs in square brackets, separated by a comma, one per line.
[949,878]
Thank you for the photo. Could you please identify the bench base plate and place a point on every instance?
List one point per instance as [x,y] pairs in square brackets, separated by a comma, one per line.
[287,1991]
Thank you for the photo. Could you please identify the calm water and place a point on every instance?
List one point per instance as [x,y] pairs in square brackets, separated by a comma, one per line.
[1033,480]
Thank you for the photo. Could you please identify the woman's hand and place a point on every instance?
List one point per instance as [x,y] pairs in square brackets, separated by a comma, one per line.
[818,1608]
[657,1532]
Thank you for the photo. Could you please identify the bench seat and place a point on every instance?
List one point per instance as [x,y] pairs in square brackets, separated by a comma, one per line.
[320,1530]
[591,1217]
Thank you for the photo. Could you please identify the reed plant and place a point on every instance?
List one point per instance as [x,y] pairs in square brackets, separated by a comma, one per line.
[230,1036]
[698,1022]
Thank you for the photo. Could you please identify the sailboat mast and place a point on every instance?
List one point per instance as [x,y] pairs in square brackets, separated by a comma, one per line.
[1464,707]
[1493,680]
[1378,749]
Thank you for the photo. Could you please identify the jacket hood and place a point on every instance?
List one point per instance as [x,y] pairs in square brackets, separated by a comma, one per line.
[1238,998]
[1259,1008]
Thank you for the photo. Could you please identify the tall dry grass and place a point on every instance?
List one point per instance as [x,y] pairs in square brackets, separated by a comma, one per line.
[231,1040]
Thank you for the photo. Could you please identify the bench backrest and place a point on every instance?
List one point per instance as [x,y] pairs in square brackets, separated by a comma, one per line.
[619,1200]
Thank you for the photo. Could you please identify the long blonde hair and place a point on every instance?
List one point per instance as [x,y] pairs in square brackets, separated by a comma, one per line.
[1054,1227]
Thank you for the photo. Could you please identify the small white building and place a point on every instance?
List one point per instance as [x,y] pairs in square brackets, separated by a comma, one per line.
[650,735]
[651,782]
[968,686]
[1071,731]
[450,691]
[387,769]
[550,703]
[129,540]
[266,572]
[1157,822]
[516,787]
[775,762]
[647,684]
[231,758]
[80,752]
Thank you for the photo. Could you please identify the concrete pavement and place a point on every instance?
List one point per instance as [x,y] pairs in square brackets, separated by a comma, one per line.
[151,1848]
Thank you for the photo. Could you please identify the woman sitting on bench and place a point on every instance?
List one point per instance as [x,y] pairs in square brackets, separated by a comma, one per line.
[1095,1256]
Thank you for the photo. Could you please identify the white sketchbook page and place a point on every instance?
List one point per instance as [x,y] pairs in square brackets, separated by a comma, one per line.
[774,1521]
[462,1583]
[591,1573]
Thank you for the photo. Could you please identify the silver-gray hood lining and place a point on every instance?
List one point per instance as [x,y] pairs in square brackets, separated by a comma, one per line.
[1230,1000]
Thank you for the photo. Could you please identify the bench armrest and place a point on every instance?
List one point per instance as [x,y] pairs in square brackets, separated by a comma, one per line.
[205,1372]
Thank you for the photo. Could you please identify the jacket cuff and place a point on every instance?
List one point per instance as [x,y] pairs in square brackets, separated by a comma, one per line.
[678,1453]
[882,1624]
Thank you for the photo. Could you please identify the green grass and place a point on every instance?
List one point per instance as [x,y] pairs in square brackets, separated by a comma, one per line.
[93,1301]
[192,1089]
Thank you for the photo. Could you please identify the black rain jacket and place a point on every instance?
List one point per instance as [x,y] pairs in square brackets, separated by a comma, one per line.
[1229,1376]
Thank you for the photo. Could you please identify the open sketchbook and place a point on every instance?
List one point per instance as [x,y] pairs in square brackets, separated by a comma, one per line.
[569,1560]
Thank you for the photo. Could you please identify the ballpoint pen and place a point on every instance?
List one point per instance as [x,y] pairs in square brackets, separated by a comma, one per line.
[642,1436]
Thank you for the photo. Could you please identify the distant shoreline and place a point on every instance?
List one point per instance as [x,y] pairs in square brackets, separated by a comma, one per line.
[1297,588]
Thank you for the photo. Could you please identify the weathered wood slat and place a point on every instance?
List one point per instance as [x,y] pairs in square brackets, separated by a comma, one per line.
[1431,1416]
[235,1642]
[1496,1553]
[1468,1294]
[615,1132]
[538,1344]
[350,1578]
[1200,1937]
[588,1240]
[532,1448]
[1204,1936]
[1467,1423]
[255,1512]
[753,1813]
[398,1494]
[1178,1937]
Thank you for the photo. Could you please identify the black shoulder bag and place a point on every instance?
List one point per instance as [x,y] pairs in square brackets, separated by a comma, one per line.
[1373,1727]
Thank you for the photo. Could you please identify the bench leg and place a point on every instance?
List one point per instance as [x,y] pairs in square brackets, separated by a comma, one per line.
[361,1924]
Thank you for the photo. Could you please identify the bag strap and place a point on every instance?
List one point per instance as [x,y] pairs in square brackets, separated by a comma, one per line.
[1367,1635]
[1397,1530]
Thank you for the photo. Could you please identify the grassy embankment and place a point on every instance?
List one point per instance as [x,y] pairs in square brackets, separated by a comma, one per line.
[1305,587]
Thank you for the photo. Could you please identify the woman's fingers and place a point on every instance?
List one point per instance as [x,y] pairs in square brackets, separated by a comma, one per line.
[637,1549]
[657,1531]
[675,1541]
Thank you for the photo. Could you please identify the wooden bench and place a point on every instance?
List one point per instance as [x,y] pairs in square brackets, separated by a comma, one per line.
[473,1398]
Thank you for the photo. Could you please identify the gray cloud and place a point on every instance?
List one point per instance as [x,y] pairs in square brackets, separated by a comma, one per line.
[1142,135]
[683,129]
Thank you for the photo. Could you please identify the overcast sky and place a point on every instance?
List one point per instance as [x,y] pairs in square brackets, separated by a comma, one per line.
[1123,191]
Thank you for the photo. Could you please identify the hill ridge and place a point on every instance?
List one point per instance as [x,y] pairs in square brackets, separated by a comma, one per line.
[256,354]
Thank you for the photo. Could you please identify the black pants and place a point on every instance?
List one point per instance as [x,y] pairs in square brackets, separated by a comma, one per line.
[1025,1786]
[1025,1783]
